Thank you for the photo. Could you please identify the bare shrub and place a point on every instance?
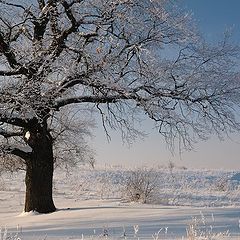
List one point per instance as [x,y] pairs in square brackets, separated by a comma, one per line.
[222,184]
[198,229]
[140,186]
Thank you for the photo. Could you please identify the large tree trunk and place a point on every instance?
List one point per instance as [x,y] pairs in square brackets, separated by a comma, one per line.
[39,174]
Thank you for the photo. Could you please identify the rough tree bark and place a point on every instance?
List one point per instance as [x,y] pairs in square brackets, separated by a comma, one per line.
[39,172]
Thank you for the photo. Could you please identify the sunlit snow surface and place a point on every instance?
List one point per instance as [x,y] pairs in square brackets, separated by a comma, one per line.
[90,206]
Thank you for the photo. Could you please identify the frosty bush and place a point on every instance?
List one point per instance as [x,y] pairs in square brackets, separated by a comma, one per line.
[199,230]
[222,184]
[4,235]
[140,186]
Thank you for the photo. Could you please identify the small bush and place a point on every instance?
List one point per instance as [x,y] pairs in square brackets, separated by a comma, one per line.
[140,186]
[222,184]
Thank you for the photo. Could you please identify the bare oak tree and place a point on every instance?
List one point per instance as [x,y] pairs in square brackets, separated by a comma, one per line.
[116,56]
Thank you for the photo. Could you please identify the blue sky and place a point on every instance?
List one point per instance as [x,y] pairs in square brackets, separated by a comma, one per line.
[213,17]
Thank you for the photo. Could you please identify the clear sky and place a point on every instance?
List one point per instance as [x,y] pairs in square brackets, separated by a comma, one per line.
[213,17]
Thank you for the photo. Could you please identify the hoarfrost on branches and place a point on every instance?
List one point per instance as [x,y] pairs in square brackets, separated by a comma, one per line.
[123,59]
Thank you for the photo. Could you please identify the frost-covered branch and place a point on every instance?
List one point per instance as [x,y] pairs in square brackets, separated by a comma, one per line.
[12,73]
[113,56]
[8,52]
[8,134]
[86,99]
[15,121]
[21,152]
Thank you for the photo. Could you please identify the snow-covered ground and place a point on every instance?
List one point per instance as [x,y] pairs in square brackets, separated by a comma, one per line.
[92,204]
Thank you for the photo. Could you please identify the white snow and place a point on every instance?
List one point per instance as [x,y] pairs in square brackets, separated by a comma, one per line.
[25,214]
[27,135]
[90,207]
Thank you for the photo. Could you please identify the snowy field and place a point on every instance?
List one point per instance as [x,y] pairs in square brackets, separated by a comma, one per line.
[95,204]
